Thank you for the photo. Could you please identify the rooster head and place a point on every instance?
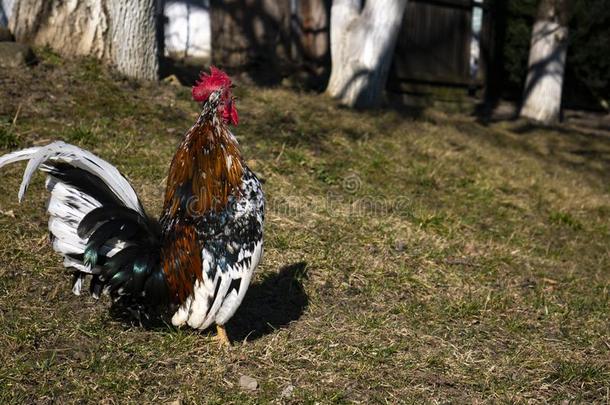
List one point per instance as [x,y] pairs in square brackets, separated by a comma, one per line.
[217,83]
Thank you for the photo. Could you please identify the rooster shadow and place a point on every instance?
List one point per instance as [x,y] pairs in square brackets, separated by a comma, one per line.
[270,303]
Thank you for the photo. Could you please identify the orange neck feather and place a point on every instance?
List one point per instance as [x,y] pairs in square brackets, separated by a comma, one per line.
[206,169]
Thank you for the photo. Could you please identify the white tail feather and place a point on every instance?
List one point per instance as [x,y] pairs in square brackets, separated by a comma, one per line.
[79,158]
[68,205]
[18,155]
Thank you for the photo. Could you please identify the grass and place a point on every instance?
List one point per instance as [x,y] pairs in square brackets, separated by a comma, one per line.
[408,258]
[8,136]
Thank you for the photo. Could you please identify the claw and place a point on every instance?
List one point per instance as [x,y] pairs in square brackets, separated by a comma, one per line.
[222,336]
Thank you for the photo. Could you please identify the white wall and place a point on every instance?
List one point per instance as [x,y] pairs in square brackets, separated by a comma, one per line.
[187,31]
[6,6]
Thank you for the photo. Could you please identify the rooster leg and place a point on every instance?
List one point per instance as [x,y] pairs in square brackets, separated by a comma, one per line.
[222,335]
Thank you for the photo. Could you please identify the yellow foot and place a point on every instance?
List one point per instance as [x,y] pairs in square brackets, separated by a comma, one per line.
[221,336]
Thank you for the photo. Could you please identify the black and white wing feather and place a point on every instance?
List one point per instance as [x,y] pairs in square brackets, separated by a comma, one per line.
[232,243]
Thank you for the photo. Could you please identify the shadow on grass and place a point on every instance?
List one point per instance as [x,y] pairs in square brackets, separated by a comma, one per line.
[270,304]
[574,148]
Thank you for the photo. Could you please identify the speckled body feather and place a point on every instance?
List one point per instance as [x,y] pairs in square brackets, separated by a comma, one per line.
[231,240]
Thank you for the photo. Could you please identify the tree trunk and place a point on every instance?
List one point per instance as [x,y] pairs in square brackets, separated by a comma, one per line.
[134,48]
[546,65]
[361,44]
[120,32]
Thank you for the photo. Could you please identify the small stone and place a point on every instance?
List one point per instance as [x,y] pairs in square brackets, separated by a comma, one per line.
[287,391]
[248,383]
[399,246]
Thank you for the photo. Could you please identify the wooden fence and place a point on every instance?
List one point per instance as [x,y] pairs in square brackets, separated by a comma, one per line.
[433,48]
[271,37]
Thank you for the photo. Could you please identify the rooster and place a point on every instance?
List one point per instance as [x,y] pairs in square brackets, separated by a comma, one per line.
[197,260]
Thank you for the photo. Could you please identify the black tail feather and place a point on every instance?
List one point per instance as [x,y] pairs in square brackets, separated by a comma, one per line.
[84,181]
[133,274]
[123,259]
[105,213]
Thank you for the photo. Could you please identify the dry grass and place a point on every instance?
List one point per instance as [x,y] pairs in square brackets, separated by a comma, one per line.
[409,257]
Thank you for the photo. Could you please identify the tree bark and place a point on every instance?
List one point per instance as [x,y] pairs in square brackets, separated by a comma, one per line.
[134,48]
[120,32]
[546,65]
[362,43]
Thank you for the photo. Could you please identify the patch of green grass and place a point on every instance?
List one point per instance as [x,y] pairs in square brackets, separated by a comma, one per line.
[80,135]
[91,71]
[9,138]
[49,57]
[564,218]
[570,372]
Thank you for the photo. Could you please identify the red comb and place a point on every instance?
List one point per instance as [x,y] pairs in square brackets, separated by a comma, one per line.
[207,83]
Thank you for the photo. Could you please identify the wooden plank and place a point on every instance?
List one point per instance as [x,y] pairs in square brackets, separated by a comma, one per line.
[250,33]
[434,45]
